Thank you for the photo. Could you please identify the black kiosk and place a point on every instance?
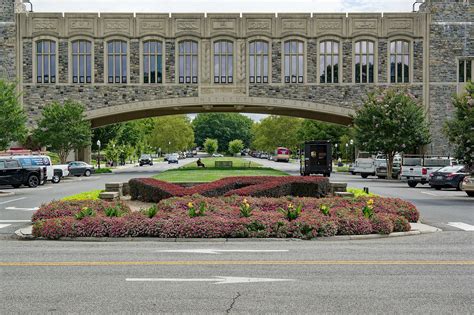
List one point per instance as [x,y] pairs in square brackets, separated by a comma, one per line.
[316,158]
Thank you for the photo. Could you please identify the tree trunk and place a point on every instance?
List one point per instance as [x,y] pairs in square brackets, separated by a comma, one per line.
[390,157]
[63,156]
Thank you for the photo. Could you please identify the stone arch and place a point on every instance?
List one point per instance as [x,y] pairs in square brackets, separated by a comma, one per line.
[232,103]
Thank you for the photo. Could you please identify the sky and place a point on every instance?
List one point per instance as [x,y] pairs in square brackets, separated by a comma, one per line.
[208,6]
[225,6]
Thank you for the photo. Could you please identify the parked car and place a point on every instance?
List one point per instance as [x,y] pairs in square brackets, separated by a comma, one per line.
[173,158]
[264,156]
[78,168]
[416,169]
[146,159]
[54,173]
[448,177]
[468,185]
[381,170]
[217,155]
[189,154]
[14,174]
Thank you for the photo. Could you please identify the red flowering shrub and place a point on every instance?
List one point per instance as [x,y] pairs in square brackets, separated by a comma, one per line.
[153,190]
[222,219]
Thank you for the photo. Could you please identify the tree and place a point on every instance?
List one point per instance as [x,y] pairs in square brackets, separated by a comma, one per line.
[318,130]
[460,129]
[172,133]
[390,122]
[12,116]
[236,146]
[63,128]
[224,127]
[112,151]
[276,131]
[211,145]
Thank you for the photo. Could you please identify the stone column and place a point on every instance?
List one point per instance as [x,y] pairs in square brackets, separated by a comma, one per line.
[84,154]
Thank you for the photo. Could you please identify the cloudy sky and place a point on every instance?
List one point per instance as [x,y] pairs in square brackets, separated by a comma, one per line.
[222,5]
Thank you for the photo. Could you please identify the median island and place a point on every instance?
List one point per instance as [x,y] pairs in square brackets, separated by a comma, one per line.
[231,207]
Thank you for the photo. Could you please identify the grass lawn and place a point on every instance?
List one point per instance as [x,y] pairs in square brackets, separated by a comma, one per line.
[187,175]
[88,195]
[236,163]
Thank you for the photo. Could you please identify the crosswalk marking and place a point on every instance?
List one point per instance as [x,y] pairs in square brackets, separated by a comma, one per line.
[4,225]
[462,226]
[15,221]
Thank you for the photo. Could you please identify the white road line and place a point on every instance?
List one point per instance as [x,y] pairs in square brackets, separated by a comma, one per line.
[4,225]
[219,251]
[21,209]
[15,221]
[462,226]
[12,200]
[428,193]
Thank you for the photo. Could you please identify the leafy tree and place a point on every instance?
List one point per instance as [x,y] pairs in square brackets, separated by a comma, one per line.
[112,151]
[236,146]
[105,134]
[172,133]
[12,116]
[391,121]
[318,130]
[276,131]
[460,129]
[63,128]
[224,127]
[211,145]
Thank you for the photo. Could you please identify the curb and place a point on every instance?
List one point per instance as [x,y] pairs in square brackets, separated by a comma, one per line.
[6,193]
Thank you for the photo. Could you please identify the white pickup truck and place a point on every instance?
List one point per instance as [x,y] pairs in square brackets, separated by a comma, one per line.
[54,172]
[366,163]
[416,169]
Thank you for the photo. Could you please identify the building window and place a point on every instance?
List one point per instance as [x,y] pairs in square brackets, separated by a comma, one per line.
[188,62]
[364,62]
[329,62]
[81,61]
[223,62]
[46,61]
[258,63]
[152,62]
[399,62]
[465,70]
[294,61]
[117,61]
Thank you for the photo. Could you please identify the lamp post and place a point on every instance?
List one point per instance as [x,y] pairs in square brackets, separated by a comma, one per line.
[169,146]
[352,150]
[347,147]
[336,150]
[98,154]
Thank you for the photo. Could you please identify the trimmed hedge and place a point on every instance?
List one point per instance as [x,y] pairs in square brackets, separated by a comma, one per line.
[223,219]
[153,190]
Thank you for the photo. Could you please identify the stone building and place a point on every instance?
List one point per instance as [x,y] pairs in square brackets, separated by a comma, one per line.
[318,66]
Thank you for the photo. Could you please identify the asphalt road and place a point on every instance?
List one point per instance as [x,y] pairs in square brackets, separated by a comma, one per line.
[431,273]
[437,208]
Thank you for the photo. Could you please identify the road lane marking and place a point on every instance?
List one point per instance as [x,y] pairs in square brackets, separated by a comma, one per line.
[216,280]
[15,221]
[428,193]
[236,262]
[12,200]
[4,225]
[219,251]
[21,209]
[462,226]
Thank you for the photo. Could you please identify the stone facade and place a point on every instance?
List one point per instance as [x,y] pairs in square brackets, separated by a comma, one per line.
[439,34]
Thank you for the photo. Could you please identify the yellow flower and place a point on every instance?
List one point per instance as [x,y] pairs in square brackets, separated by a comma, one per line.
[370,202]
[190,205]
[244,201]
[290,205]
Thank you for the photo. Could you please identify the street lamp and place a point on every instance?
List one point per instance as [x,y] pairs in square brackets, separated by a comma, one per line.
[98,155]
[347,147]
[169,147]
[336,150]
[352,149]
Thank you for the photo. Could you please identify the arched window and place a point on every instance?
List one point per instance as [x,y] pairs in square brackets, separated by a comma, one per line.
[46,61]
[188,61]
[117,61]
[399,62]
[223,62]
[152,62]
[294,61]
[329,62]
[364,62]
[81,61]
[258,63]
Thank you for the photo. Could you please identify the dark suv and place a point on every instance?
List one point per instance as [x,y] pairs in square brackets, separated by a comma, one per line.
[12,173]
[146,159]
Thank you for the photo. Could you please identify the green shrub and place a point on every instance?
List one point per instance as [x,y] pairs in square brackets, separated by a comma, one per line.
[324,209]
[151,212]
[103,170]
[291,212]
[85,212]
[360,193]
[114,212]
[88,195]
[194,211]
[245,209]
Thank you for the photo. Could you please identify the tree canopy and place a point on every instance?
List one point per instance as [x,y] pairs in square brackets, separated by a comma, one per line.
[276,131]
[211,145]
[391,121]
[224,127]
[172,133]
[318,130]
[63,128]
[460,129]
[236,146]
[12,116]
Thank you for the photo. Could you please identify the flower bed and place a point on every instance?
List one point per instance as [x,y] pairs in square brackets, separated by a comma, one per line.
[227,217]
[153,190]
